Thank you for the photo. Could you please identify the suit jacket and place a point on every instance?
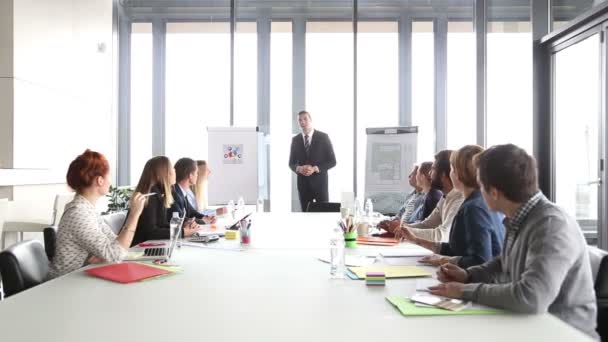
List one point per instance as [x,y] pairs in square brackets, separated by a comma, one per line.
[153,222]
[320,154]
[182,205]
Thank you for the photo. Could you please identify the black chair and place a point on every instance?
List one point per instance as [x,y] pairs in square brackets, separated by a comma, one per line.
[323,207]
[50,241]
[601,292]
[22,266]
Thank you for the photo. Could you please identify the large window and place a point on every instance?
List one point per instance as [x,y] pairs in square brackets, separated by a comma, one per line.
[197,86]
[564,11]
[329,94]
[141,98]
[377,84]
[281,116]
[245,74]
[461,85]
[577,118]
[423,87]
[509,84]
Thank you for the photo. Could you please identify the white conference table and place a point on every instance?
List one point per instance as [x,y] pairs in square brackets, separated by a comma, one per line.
[276,290]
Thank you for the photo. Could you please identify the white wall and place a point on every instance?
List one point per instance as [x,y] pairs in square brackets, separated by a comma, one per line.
[56,88]
[63,83]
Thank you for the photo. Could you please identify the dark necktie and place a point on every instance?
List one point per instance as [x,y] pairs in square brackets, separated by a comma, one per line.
[307,143]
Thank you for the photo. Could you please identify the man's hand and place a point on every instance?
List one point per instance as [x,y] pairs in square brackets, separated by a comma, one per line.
[450,290]
[305,170]
[448,273]
[389,225]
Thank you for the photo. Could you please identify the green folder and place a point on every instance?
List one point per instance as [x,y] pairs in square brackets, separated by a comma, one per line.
[408,308]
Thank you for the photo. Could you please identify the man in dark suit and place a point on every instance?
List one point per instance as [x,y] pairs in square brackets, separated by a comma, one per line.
[186,174]
[311,156]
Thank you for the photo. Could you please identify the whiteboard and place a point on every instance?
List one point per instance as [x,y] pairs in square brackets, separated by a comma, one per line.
[390,155]
[236,160]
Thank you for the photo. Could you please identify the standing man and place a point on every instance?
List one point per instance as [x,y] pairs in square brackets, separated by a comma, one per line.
[311,156]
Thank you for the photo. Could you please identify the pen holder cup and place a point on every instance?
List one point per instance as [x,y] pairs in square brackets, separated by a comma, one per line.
[245,236]
[350,239]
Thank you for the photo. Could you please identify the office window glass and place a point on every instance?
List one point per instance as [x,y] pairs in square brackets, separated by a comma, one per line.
[377,84]
[245,74]
[461,85]
[329,94]
[281,116]
[197,86]
[509,84]
[141,99]
[423,87]
[577,120]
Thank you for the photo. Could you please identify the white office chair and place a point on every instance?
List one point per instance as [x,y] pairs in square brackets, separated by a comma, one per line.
[21,227]
[116,220]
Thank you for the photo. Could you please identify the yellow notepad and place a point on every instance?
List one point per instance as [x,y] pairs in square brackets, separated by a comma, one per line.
[391,271]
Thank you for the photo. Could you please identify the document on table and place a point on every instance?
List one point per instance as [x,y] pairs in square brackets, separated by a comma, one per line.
[391,271]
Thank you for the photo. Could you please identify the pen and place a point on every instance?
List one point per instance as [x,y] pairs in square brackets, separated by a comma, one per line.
[149,194]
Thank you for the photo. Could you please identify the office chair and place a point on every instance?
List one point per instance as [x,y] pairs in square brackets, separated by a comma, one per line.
[323,207]
[22,266]
[601,293]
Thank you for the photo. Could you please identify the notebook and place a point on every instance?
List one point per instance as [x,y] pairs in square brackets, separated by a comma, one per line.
[391,271]
[127,272]
[377,241]
[409,308]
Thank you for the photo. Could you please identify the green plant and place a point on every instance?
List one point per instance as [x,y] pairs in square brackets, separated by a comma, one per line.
[118,199]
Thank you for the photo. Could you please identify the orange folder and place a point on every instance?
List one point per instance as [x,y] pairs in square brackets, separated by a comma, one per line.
[127,272]
[377,241]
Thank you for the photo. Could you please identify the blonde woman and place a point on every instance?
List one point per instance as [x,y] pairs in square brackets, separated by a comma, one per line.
[157,177]
[200,187]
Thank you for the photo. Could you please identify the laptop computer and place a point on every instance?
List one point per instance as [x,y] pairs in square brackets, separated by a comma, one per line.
[154,252]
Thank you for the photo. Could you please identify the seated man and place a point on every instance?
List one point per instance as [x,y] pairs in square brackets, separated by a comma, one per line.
[436,227]
[544,265]
[186,173]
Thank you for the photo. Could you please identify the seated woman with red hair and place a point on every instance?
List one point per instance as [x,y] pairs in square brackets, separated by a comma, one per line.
[83,237]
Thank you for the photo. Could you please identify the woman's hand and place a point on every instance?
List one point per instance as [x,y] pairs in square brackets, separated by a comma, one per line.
[434,260]
[209,219]
[137,203]
[95,260]
[190,228]
[404,233]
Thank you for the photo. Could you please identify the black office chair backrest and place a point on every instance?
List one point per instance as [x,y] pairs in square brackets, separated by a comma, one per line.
[50,241]
[601,292]
[323,207]
[22,266]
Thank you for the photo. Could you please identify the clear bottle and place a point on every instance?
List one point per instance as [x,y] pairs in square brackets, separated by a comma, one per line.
[240,206]
[357,210]
[260,205]
[174,227]
[369,208]
[336,253]
[231,209]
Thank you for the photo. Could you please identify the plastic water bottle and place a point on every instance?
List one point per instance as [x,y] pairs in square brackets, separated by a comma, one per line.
[174,226]
[336,253]
[231,208]
[240,206]
[369,208]
[260,205]
[357,210]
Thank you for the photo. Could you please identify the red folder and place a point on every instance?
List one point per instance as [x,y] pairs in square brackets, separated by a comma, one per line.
[127,272]
[377,241]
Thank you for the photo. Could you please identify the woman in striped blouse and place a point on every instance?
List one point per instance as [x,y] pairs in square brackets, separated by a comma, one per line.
[83,237]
